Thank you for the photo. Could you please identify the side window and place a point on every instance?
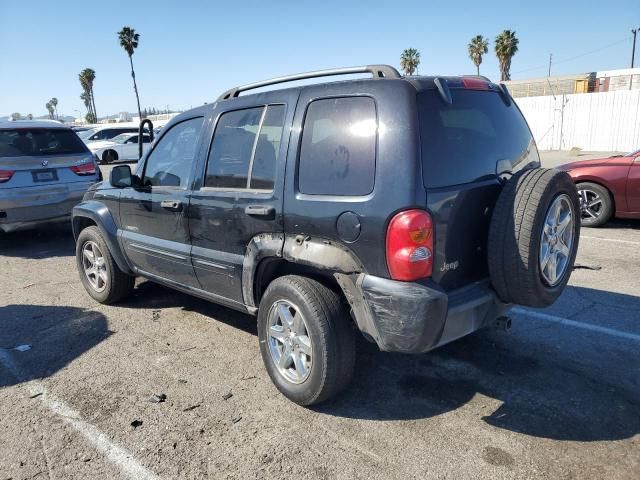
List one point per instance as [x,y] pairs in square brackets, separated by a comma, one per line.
[133,139]
[245,147]
[338,147]
[170,162]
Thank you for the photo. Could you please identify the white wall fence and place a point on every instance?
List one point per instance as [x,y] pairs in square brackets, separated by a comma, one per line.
[607,121]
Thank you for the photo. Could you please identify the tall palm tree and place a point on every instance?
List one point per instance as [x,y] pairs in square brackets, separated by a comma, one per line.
[49,109]
[54,104]
[506,46]
[87,77]
[478,46]
[129,41]
[409,61]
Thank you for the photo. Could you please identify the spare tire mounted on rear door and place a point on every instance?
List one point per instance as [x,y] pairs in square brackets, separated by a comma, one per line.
[533,237]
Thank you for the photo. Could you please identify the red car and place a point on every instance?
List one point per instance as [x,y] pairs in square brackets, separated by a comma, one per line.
[607,186]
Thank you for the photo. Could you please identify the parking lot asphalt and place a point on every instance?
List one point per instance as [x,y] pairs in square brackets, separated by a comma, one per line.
[556,397]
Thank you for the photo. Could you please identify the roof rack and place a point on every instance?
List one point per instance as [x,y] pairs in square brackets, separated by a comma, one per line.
[377,71]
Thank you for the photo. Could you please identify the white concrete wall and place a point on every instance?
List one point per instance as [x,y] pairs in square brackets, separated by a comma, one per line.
[608,121]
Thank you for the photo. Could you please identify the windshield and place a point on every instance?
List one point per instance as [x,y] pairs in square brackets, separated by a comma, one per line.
[38,142]
[473,138]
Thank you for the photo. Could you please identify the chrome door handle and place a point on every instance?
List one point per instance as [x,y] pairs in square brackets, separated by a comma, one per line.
[259,211]
[174,205]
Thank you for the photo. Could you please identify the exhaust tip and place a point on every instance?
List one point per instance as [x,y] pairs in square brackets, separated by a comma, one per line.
[503,324]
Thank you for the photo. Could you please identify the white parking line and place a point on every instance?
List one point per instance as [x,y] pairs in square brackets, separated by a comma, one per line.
[127,464]
[573,323]
[630,242]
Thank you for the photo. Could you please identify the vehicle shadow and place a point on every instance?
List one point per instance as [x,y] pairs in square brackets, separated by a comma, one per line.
[55,240]
[56,336]
[148,294]
[547,381]
[557,384]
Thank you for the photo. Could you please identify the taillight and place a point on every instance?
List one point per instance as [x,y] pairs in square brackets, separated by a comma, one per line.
[410,245]
[84,169]
[5,175]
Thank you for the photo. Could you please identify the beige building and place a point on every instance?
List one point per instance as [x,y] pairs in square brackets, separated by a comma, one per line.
[603,81]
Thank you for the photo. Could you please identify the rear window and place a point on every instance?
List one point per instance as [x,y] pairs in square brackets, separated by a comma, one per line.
[39,142]
[467,140]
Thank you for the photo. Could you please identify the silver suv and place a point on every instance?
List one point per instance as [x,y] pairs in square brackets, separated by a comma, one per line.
[45,169]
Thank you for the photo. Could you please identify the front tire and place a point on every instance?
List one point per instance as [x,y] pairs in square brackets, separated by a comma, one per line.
[306,340]
[596,206]
[100,275]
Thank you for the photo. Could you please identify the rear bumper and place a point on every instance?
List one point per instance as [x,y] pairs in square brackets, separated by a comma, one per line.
[415,318]
[20,208]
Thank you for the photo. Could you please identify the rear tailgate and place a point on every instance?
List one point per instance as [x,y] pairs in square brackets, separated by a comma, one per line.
[36,157]
[465,146]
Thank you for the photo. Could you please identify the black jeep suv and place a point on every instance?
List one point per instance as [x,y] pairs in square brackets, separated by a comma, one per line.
[411,209]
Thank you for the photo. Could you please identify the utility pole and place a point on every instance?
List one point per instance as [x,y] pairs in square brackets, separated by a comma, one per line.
[633,49]
[550,56]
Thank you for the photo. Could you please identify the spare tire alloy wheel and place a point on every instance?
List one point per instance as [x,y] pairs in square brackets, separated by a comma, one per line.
[94,265]
[289,342]
[556,240]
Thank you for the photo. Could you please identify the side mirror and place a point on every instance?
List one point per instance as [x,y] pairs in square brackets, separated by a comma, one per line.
[121,176]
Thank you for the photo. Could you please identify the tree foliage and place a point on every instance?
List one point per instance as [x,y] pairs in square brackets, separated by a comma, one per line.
[409,61]
[478,46]
[506,46]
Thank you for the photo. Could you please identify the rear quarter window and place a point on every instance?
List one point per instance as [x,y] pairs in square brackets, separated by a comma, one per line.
[338,147]
[472,138]
[24,142]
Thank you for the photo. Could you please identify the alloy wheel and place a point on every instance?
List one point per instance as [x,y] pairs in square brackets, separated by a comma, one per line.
[556,240]
[591,205]
[289,341]
[94,266]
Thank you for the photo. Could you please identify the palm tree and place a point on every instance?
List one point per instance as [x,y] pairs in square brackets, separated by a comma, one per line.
[478,46]
[409,61]
[506,46]
[87,77]
[54,104]
[86,99]
[129,41]
[50,109]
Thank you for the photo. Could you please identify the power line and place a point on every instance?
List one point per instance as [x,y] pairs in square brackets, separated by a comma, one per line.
[626,39]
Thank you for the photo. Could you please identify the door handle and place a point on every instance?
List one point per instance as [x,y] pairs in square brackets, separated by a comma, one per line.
[174,205]
[259,211]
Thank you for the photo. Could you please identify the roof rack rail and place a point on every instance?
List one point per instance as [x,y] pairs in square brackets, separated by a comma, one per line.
[378,72]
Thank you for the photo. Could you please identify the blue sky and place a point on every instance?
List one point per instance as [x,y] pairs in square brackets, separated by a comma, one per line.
[192,51]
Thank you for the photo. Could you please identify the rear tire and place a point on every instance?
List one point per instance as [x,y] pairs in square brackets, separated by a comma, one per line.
[596,205]
[100,275]
[531,248]
[324,332]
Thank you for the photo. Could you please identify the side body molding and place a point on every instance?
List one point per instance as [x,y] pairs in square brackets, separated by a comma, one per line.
[101,216]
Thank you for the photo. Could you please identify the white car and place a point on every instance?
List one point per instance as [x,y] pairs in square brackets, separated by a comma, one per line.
[122,147]
[106,132]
